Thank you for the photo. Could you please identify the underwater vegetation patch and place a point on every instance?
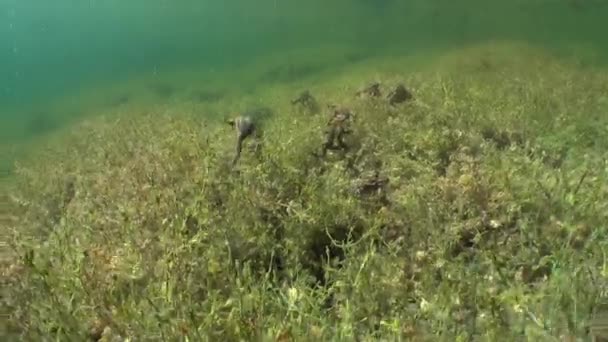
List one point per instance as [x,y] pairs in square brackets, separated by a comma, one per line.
[436,204]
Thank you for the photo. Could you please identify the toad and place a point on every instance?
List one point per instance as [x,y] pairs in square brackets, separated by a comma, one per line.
[337,129]
[307,100]
[372,90]
[399,95]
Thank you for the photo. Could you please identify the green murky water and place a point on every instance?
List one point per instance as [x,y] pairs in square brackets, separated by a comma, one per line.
[53,51]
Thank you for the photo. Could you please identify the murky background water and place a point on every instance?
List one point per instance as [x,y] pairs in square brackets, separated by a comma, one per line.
[54,50]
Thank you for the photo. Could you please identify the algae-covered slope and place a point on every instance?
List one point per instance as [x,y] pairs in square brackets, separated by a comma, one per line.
[476,210]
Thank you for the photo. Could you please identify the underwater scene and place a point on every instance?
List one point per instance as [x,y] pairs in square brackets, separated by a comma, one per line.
[281,170]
